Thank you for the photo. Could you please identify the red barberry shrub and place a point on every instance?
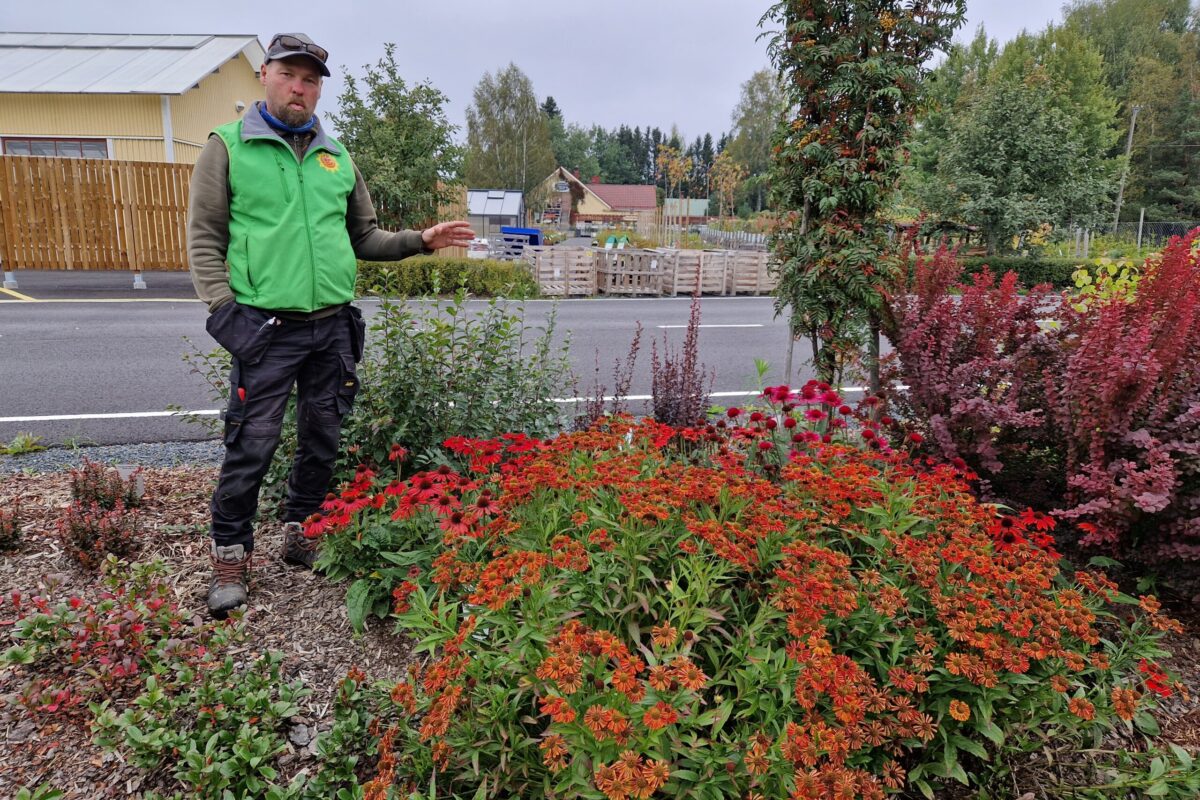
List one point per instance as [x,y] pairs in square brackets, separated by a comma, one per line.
[10,526]
[96,483]
[1126,406]
[973,357]
[90,532]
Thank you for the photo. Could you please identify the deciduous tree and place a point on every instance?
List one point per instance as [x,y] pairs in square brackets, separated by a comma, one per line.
[401,142]
[508,139]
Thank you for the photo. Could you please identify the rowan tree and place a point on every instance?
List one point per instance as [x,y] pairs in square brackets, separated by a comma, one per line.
[850,72]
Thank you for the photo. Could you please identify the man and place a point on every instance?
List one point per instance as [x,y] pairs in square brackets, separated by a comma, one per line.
[278,216]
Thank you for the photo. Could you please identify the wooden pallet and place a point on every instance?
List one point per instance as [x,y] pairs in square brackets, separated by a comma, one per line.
[563,271]
[747,273]
[689,270]
[629,272]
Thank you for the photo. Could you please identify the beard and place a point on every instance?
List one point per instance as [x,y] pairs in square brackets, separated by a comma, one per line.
[290,116]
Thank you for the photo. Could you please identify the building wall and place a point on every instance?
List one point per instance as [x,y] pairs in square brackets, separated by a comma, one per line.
[97,115]
[212,103]
[139,150]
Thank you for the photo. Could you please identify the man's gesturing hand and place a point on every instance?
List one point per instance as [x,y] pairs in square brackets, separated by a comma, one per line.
[448,234]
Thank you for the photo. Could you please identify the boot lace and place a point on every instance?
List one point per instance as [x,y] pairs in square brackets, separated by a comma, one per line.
[230,571]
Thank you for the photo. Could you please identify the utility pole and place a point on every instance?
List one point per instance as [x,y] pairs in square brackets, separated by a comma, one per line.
[1125,168]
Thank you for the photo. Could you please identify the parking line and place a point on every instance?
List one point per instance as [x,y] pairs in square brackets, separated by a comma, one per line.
[715,325]
[18,295]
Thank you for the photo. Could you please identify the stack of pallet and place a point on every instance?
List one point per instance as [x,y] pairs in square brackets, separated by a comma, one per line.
[563,271]
[689,270]
[629,272]
[747,272]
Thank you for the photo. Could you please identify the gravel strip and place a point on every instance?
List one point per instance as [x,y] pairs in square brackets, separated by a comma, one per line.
[148,454]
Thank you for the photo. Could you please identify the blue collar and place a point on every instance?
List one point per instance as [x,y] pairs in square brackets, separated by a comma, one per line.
[280,125]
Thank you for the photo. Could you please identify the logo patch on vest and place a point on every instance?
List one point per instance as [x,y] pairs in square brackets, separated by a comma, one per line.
[328,162]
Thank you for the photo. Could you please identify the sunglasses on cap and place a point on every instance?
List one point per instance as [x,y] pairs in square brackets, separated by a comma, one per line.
[292,43]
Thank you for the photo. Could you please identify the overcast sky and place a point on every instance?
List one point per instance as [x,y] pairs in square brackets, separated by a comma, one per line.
[634,62]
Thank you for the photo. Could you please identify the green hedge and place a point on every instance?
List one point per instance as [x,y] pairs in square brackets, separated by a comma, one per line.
[426,275]
[1030,271]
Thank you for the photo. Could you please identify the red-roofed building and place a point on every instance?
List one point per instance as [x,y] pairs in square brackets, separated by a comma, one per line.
[573,201]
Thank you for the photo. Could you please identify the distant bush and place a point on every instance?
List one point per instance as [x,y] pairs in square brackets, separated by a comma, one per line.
[1030,271]
[427,275]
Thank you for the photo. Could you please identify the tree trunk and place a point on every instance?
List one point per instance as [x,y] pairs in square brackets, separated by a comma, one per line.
[873,352]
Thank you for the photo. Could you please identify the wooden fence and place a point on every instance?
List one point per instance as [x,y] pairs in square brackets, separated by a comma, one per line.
[95,214]
[85,213]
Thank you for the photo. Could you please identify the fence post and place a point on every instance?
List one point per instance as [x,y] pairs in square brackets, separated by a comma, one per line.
[1141,222]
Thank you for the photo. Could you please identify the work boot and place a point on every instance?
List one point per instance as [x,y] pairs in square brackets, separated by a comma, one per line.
[231,574]
[298,549]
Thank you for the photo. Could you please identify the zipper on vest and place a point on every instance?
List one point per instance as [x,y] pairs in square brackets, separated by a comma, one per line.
[312,256]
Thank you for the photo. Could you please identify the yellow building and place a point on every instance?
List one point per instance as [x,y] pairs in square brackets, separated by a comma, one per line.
[137,97]
[573,202]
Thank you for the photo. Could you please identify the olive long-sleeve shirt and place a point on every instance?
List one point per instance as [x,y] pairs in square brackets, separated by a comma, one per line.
[208,226]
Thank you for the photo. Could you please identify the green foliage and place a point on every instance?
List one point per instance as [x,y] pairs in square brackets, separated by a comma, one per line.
[1015,159]
[851,89]
[219,728]
[1103,281]
[43,791]
[22,443]
[421,276]
[1030,271]
[754,119]
[448,368]
[508,141]
[402,144]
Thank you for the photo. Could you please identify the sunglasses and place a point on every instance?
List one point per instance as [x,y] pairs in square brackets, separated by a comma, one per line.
[292,43]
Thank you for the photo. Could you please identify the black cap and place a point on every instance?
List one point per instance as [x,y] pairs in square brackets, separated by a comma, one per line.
[285,45]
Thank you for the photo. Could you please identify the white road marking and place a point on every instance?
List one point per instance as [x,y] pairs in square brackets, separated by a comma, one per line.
[208,412]
[213,412]
[714,325]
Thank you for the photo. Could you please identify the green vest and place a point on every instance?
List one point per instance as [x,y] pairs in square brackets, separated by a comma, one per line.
[288,245]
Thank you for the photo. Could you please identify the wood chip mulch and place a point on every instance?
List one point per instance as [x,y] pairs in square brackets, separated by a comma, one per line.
[292,611]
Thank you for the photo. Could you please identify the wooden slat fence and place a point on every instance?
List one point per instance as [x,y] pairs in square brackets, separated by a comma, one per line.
[96,214]
[72,213]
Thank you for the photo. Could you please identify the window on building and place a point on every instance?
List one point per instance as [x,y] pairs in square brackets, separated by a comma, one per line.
[62,148]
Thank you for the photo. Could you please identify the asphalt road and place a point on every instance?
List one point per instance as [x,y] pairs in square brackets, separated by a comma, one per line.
[88,344]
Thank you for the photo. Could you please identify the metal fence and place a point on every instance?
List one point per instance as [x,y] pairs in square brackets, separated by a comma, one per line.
[1153,233]
[735,240]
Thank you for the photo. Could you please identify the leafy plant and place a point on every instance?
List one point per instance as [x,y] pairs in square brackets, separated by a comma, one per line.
[10,526]
[421,276]
[678,381]
[90,533]
[595,406]
[850,90]
[1125,406]
[974,358]
[445,369]
[402,142]
[94,483]
[219,727]
[22,443]
[77,650]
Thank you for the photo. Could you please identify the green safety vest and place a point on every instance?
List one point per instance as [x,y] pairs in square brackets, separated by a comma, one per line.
[288,245]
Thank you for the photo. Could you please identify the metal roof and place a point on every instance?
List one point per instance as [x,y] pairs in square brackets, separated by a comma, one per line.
[494,202]
[116,63]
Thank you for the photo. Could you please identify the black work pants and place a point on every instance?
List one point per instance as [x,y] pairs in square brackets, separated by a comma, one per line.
[318,358]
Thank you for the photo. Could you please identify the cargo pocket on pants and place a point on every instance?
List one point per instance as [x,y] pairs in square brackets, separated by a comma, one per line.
[347,384]
[235,411]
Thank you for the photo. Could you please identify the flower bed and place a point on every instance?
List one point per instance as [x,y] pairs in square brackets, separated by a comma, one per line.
[759,607]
